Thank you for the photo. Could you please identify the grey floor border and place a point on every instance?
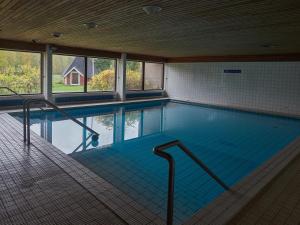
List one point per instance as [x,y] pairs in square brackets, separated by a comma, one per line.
[121,204]
[226,206]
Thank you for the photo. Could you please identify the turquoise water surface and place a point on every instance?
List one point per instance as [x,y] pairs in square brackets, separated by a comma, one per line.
[231,143]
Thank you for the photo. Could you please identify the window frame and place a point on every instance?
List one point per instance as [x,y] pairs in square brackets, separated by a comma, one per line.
[162,78]
[85,90]
[115,68]
[143,76]
[41,72]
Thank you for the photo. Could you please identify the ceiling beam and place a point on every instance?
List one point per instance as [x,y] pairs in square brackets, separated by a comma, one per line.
[37,47]
[237,58]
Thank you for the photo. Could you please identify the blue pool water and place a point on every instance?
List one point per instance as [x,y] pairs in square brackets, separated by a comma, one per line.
[231,143]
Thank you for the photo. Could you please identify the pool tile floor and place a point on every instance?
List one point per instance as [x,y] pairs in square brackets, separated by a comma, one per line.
[41,185]
[33,190]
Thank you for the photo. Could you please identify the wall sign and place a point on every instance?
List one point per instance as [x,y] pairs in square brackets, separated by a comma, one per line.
[232,71]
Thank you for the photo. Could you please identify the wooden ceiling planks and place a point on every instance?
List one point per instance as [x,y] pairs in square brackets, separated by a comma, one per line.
[184,28]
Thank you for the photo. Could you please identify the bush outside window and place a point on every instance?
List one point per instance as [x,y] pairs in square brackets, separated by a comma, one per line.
[20,71]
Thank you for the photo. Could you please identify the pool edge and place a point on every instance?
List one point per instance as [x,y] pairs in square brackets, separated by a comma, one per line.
[221,210]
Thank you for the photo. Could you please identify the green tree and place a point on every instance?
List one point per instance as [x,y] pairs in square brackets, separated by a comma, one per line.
[133,80]
[23,79]
[103,81]
[133,65]
[103,64]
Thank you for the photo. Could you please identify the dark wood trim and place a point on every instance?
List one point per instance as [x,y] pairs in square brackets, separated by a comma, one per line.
[147,58]
[84,52]
[21,46]
[116,74]
[237,58]
[143,76]
[59,49]
[37,47]
[85,74]
[163,78]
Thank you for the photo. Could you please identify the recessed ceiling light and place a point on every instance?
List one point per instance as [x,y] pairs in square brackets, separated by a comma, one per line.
[152,9]
[57,34]
[90,25]
[268,46]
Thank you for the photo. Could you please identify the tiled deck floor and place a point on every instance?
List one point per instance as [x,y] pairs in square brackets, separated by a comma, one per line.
[37,190]
[278,203]
[17,163]
[33,190]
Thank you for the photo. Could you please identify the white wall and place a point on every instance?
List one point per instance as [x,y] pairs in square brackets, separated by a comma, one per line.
[263,86]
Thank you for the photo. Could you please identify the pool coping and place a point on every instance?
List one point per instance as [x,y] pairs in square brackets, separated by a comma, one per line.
[221,210]
[237,108]
[120,203]
[71,106]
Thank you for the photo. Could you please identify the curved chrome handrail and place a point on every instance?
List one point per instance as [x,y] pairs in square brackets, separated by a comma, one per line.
[26,121]
[159,150]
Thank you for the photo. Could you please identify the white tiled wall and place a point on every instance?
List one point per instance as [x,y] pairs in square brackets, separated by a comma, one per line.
[264,86]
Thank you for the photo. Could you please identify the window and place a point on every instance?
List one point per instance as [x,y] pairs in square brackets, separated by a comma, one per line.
[153,76]
[20,71]
[101,74]
[68,73]
[144,75]
[134,75]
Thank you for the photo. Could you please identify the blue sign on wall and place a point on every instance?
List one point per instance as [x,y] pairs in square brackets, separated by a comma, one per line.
[232,71]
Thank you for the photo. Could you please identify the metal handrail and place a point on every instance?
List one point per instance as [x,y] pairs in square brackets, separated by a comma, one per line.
[26,121]
[79,146]
[11,90]
[159,150]
[24,103]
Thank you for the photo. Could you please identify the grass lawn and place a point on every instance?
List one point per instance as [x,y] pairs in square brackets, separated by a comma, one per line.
[58,85]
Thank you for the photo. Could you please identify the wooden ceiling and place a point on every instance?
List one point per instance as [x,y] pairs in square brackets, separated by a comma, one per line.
[183,27]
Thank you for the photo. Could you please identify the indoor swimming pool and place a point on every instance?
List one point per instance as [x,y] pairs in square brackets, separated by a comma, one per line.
[230,142]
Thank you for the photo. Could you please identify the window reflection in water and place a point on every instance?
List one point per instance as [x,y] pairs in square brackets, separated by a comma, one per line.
[132,125]
[69,137]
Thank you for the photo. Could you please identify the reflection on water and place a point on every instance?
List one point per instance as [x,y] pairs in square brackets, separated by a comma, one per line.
[112,127]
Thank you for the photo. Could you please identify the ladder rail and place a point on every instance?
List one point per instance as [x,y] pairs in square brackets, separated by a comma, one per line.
[11,90]
[26,122]
[159,150]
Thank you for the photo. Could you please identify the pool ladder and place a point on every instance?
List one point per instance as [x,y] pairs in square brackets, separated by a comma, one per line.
[26,115]
[160,151]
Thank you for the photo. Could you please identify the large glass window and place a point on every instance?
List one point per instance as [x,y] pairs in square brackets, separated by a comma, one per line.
[144,75]
[101,74]
[68,73]
[134,75]
[153,76]
[20,71]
